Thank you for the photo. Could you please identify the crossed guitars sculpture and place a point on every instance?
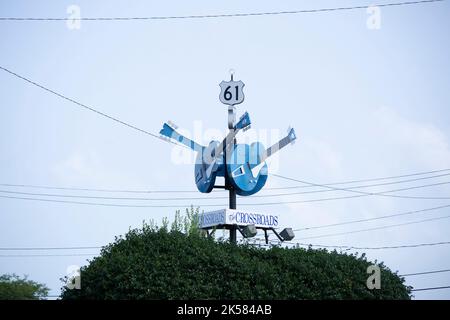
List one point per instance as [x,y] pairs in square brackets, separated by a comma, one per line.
[243,166]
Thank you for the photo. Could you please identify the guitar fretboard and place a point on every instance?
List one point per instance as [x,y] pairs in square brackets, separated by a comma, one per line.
[277,146]
[186,141]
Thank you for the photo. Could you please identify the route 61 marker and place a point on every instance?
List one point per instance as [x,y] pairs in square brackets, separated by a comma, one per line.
[231,92]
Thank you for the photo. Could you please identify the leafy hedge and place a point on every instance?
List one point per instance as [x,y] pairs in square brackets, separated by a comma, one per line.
[14,287]
[158,263]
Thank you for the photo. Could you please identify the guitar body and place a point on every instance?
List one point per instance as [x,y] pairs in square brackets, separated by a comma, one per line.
[239,165]
[205,183]
[210,160]
[246,157]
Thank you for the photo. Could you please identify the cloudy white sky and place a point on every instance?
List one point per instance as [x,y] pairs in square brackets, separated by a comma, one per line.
[365,103]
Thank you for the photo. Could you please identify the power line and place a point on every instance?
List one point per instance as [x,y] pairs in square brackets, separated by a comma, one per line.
[361,186]
[371,248]
[195,191]
[372,219]
[94,189]
[215,197]
[426,272]
[208,16]
[46,255]
[272,241]
[108,198]
[242,204]
[107,204]
[186,205]
[364,180]
[83,105]
[46,248]
[433,288]
[376,228]
[363,193]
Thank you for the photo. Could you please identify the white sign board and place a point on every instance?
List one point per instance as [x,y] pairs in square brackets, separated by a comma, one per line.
[237,217]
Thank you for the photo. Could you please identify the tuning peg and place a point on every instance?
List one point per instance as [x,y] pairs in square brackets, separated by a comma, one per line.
[172,124]
[164,138]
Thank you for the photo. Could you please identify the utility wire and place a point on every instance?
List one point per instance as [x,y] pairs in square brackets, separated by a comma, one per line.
[195,191]
[108,204]
[368,248]
[84,106]
[46,248]
[364,180]
[372,219]
[242,204]
[361,186]
[272,241]
[376,228]
[363,193]
[433,288]
[46,255]
[230,15]
[213,197]
[426,272]
[94,189]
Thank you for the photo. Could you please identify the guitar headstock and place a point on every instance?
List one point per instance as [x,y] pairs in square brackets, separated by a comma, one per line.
[243,123]
[291,135]
[168,129]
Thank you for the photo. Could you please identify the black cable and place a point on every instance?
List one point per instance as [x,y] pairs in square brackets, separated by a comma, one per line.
[242,204]
[367,248]
[272,241]
[360,186]
[359,196]
[219,15]
[109,204]
[195,191]
[372,219]
[94,189]
[426,272]
[46,255]
[83,105]
[363,193]
[257,244]
[376,228]
[433,288]
[215,205]
[46,248]
[364,180]
[222,197]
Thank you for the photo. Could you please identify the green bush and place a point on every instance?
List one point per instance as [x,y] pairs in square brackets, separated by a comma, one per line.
[163,263]
[13,287]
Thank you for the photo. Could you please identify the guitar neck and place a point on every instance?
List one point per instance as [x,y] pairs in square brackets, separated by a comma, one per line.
[186,141]
[274,148]
[226,142]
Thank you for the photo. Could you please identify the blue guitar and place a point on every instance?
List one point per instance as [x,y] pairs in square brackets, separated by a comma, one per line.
[210,160]
[246,158]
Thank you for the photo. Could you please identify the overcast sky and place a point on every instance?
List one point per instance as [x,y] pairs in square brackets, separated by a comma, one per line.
[365,103]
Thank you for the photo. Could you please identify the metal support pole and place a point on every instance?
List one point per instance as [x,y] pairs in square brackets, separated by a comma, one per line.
[232,192]
[233,229]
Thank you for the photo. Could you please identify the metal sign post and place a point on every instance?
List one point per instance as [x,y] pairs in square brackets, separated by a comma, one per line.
[231,94]
[236,163]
